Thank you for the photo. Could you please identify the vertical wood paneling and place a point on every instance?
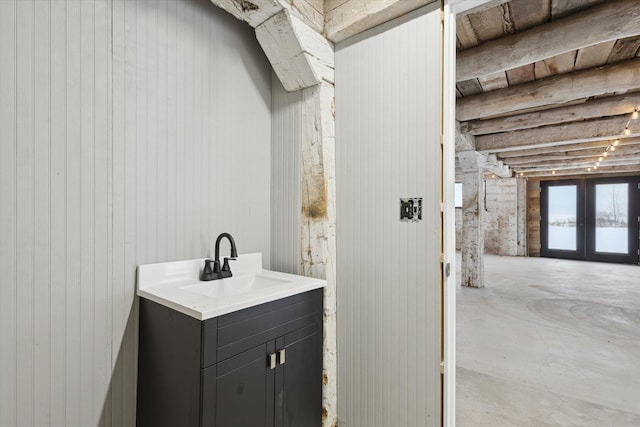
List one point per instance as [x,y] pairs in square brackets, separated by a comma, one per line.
[42,203]
[388,124]
[130,132]
[285,179]
[8,184]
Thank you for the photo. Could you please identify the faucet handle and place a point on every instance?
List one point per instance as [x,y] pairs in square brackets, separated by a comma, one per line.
[225,265]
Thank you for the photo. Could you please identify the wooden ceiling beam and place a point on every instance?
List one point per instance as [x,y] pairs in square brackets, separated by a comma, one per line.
[604,170]
[601,144]
[619,77]
[594,130]
[569,156]
[610,106]
[583,163]
[598,24]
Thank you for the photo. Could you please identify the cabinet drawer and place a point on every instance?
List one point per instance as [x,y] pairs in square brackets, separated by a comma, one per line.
[244,329]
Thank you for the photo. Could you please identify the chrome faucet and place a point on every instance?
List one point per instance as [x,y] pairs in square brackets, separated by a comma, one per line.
[215,273]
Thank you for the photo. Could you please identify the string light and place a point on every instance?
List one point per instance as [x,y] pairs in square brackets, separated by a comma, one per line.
[613,148]
[634,115]
[595,167]
[605,154]
[599,159]
[588,169]
[553,172]
[521,173]
[627,131]
[616,142]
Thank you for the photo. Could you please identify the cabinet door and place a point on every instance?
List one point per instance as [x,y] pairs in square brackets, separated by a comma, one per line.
[244,390]
[299,379]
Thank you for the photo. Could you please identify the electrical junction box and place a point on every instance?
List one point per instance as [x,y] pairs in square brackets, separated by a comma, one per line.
[411,209]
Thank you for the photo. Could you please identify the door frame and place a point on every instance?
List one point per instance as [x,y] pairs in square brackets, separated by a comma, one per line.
[580,252]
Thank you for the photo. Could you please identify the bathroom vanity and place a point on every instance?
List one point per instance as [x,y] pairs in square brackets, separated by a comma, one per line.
[240,351]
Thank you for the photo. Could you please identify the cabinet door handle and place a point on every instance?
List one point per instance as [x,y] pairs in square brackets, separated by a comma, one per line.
[282,356]
[272,361]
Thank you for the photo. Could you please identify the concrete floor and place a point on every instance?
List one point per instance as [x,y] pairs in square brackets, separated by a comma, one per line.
[549,343]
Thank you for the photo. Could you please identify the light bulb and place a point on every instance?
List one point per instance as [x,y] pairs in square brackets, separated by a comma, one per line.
[627,131]
[634,115]
[588,169]
[521,173]
[613,148]
[597,163]
[605,154]
[616,142]
[595,167]
[599,159]
[553,172]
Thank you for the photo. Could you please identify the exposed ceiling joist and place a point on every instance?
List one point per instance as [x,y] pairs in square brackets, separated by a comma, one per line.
[602,23]
[594,130]
[345,18]
[600,144]
[560,165]
[605,170]
[569,156]
[620,77]
[610,106]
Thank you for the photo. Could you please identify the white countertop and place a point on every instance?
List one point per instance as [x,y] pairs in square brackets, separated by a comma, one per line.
[177,285]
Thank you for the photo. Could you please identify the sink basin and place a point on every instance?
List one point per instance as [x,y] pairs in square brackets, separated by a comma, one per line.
[177,285]
[232,286]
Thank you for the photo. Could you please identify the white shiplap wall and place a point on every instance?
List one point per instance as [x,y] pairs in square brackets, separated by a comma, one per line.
[388,99]
[286,204]
[130,132]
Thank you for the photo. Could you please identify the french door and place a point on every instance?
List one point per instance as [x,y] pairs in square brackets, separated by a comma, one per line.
[594,219]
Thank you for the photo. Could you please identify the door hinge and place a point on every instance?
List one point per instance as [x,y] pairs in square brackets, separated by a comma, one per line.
[441,368]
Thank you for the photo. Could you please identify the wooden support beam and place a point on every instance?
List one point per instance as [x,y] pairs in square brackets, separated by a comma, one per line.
[604,170]
[594,130]
[472,245]
[623,76]
[610,106]
[569,156]
[584,163]
[300,57]
[505,155]
[346,18]
[601,23]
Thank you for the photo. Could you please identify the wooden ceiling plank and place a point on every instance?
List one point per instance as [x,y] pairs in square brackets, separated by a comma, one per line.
[625,48]
[489,24]
[594,130]
[611,106]
[465,32]
[520,75]
[469,87]
[566,147]
[529,13]
[594,56]
[551,91]
[494,81]
[559,64]
[561,8]
[604,22]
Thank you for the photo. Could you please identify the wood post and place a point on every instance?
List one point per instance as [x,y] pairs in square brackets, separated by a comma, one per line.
[472,229]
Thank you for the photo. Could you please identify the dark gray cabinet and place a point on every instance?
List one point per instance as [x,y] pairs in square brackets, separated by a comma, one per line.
[260,366]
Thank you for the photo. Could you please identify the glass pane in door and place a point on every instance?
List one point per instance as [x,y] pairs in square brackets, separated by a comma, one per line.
[562,213]
[612,218]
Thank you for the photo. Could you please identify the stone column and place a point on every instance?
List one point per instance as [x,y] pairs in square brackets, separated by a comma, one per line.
[472,230]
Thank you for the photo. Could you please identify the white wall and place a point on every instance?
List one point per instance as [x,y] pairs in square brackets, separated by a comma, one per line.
[388,121]
[286,192]
[130,132]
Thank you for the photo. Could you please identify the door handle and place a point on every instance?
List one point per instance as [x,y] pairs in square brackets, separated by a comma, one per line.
[282,356]
[272,361]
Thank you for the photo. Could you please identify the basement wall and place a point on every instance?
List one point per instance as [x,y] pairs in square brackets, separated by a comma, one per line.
[131,132]
[503,220]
